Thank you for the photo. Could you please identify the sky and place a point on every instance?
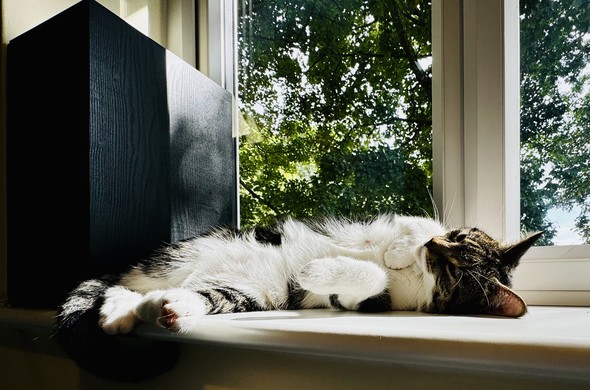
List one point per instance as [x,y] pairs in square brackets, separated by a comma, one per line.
[564,221]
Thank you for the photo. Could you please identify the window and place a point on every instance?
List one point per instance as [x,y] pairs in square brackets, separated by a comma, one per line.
[555,119]
[555,147]
[476,141]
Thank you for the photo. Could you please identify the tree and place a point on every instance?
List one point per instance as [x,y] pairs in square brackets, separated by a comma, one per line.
[337,108]
[555,112]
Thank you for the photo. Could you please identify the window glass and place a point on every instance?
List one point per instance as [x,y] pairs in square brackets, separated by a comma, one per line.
[335,100]
[555,120]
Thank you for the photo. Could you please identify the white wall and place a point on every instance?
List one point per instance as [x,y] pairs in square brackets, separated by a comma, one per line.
[22,15]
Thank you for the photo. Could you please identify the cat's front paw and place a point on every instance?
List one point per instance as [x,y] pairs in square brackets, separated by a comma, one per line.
[177,310]
[342,275]
[317,276]
[117,314]
[397,258]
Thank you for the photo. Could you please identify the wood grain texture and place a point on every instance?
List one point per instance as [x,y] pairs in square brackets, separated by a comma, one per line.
[203,171]
[129,157]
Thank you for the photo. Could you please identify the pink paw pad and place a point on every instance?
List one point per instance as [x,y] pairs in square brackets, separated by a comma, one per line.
[168,317]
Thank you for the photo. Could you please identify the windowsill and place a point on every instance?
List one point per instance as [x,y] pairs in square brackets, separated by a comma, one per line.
[552,342]
[548,341]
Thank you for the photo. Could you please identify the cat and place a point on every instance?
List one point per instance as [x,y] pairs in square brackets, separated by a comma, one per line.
[390,262]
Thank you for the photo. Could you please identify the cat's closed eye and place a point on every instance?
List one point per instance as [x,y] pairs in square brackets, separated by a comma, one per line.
[452,271]
[460,237]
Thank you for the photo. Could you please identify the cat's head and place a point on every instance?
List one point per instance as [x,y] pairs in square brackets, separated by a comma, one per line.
[472,273]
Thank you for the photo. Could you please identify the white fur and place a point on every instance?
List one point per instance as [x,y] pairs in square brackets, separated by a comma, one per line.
[353,280]
[117,314]
[186,308]
[354,260]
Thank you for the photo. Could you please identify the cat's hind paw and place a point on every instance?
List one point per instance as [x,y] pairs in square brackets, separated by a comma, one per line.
[177,310]
[117,314]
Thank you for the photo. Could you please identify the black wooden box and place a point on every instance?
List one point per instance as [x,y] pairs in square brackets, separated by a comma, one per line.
[115,147]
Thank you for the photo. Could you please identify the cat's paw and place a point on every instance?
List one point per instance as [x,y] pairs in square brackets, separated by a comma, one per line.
[117,314]
[342,275]
[177,310]
[317,276]
[397,258]
[349,280]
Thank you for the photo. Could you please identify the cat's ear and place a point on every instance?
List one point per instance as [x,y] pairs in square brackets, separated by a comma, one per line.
[507,303]
[514,252]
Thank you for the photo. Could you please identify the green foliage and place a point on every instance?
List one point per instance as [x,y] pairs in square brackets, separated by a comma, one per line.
[337,110]
[555,112]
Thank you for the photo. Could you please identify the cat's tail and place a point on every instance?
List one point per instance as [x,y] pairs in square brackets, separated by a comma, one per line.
[123,358]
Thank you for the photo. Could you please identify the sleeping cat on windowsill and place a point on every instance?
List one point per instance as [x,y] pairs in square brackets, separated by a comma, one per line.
[388,263]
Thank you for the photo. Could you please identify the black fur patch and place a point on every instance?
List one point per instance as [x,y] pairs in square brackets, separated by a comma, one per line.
[296,296]
[77,331]
[376,303]
[228,300]
[335,303]
[268,235]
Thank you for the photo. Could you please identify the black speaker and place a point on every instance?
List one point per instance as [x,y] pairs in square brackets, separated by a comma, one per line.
[115,147]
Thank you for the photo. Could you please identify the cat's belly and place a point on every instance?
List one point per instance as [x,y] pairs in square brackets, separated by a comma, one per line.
[261,272]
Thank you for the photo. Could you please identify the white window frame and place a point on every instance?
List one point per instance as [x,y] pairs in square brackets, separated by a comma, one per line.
[476,136]
[217,36]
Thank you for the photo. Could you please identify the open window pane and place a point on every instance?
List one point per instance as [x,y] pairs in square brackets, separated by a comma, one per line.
[335,100]
[555,120]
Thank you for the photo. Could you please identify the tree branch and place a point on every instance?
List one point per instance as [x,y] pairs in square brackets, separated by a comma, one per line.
[259,198]
[421,76]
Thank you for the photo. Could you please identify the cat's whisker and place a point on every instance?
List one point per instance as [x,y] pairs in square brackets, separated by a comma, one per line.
[434,208]
[448,211]
[483,276]
[485,294]
[458,281]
